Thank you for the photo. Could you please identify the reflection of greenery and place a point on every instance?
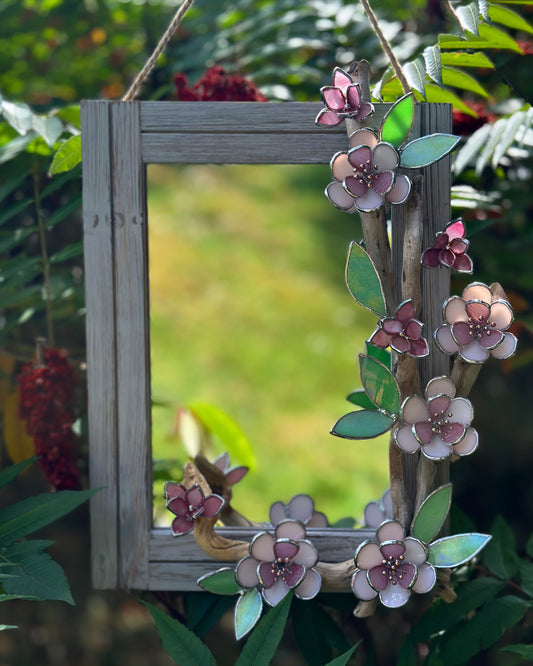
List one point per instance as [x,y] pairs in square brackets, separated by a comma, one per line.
[248,314]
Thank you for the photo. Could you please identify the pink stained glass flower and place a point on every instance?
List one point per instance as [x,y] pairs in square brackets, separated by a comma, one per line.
[342,100]
[377,512]
[476,325]
[438,425]
[403,332]
[449,249]
[281,562]
[365,177]
[189,504]
[233,474]
[393,568]
[301,508]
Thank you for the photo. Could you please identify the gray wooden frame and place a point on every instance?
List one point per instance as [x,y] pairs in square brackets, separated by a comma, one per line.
[119,140]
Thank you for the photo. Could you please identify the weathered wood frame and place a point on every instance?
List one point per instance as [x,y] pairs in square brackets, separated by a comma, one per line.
[119,140]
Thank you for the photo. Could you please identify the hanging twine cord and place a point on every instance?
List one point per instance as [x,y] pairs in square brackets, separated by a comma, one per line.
[162,44]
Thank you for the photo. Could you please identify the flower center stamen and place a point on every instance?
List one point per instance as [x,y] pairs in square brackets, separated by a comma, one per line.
[393,568]
[280,568]
[479,326]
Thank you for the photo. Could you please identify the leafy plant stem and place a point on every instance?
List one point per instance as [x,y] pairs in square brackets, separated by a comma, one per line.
[385,46]
[511,583]
[45,258]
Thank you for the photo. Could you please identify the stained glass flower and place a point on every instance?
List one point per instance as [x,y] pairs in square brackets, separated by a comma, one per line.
[449,249]
[342,100]
[233,474]
[188,504]
[377,512]
[476,325]
[393,568]
[281,562]
[365,176]
[438,425]
[301,508]
[403,332]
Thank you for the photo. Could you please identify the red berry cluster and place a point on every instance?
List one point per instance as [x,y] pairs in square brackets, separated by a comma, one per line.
[217,86]
[47,405]
[465,124]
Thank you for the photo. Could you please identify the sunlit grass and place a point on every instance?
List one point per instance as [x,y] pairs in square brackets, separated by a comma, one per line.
[249,312]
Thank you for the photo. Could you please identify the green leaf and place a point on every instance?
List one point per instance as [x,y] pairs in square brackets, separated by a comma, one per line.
[205,610]
[509,18]
[500,555]
[264,640]
[316,632]
[525,651]
[484,629]
[471,148]
[12,211]
[459,79]
[525,570]
[67,156]
[227,430]
[23,518]
[380,384]
[221,581]
[432,58]
[452,551]
[432,513]
[10,473]
[398,122]
[415,73]
[36,575]
[496,132]
[343,659]
[513,126]
[378,353]
[427,150]
[248,610]
[68,252]
[363,280]
[19,296]
[468,17]
[477,59]
[364,424]
[3,627]
[49,128]
[484,9]
[19,116]
[360,399]
[16,146]
[63,212]
[489,38]
[179,642]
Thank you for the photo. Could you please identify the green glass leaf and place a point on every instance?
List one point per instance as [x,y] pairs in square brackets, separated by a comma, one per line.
[248,610]
[360,399]
[221,581]
[363,280]
[364,424]
[432,513]
[452,551]
[382,355]
[380,384]
[477,59]
[181,643]
[398,122]
[432,58]
[427,150]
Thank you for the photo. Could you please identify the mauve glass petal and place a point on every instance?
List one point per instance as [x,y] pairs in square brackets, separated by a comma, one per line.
[318,519]
[405,312]
[459,245]
[477,310]
[452,433]
[461,411]
[359,157]
[405,439]
[307,555]
[477,290]
[246,572]
[414,409]
[400,190]
[426,579]
[441,241]
[383,181]
[234,475]
[277,513]
[364,111]
[338,196]
[173,490]
[391,530]
[378,577]
[352,96]
[178,506]
[468,444]
[290,529]
[276,593]
[373,514]
[368,555]
[370,201]
[212,506]
[490,339]
[301,508]
[446,257]
[413,329]
[379,338]
[334,98]
[354,186]
[439,404]
[262,547]
[501,314]
[507,347]
[437,449]
[363,137]
[182,525]
[423,431]
[462,333]
[361,587]
[415,551]
[222,462]
[285,549]
[440,386]
[341,78]
[392,326]
[454,310]
[328,118]
[444,339]
[463,264]
[474,353]
[266,575]
[418,348]
[407,575]
[385,157]
[294,573]
[340,167]
[430,258]
[455,229]
[194,496]
[394,596]
[310,585]
[400,344]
